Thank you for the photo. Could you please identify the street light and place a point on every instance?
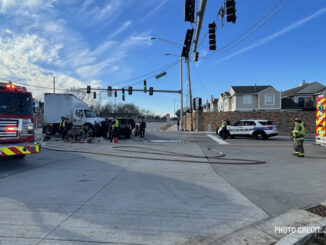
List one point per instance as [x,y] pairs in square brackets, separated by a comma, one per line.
[168,41]
[181,82]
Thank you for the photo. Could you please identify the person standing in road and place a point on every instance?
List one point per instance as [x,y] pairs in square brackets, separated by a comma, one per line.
[142,129]
[110,129]
[298,135]
[63,128]
[178,124]
[224,132]
[115,127]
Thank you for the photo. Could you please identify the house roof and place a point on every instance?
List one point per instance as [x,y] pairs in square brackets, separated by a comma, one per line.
[305,88]
[249,89]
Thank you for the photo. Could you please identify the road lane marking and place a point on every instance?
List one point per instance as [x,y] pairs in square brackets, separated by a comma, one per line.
[218,140]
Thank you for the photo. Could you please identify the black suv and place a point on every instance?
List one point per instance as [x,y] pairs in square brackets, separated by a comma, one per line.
[124,127]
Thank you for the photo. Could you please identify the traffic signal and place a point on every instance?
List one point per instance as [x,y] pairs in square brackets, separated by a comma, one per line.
[230,11]
[145,86]
[115,93]
[94,95]
[123,94]
[109,91]
[190,11]
[196,54]
[151,90]
[212,36]
[88,90]
[199,104]
[130,90]
[187,43]
[194,103]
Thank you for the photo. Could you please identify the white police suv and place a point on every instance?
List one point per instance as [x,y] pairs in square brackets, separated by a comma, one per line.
[260,129]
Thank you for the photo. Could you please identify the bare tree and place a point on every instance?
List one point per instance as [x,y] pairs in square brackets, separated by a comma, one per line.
[80,94]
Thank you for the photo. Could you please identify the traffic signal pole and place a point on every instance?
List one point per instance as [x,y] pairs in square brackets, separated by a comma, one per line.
[181,96]
[190,95]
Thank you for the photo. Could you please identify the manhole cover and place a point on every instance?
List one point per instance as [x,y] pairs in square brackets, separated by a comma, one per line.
[319,209]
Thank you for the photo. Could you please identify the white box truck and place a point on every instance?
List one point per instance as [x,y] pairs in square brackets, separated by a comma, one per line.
[69,106]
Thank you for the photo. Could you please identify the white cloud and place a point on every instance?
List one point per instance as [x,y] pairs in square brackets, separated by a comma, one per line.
[116,54]
[18,57]
[154,10]
[24,8]
[123,27]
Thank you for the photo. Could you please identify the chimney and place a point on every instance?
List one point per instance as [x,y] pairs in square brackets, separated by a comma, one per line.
[302,83]
[255,87]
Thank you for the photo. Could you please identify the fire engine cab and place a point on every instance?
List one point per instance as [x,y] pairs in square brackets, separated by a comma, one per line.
[16,122]
[321,121]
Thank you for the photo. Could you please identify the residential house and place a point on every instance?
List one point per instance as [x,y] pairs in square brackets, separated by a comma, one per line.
[250,98]
[302,97]
[210,105]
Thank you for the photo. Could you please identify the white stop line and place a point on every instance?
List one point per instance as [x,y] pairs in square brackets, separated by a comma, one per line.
[218,140]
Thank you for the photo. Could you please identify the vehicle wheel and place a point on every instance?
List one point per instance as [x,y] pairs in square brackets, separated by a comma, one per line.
[19,156]
[49,130]
[128,135]
[260,135]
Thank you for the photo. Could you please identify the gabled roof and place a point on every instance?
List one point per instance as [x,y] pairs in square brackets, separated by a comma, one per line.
[249,89]
[305,88]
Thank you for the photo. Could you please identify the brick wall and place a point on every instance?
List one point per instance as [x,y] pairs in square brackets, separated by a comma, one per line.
[284,119]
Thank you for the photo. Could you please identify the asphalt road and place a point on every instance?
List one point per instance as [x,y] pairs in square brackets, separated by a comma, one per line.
[74,198]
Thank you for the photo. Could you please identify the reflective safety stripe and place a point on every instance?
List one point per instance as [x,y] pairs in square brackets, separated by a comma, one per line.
[299,139]
[7,152]
[19,150]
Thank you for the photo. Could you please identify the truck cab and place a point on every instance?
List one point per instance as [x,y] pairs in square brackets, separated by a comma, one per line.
[16,122]
[85,116]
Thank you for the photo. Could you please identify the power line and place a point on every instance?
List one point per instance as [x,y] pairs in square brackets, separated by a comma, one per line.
[25,84]
[145,76]
[148,75]
[251,30]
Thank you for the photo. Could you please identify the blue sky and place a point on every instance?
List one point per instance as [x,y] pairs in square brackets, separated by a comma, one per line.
[107,42]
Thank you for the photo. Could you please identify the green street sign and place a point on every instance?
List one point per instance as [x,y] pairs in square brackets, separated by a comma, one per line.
[161,75]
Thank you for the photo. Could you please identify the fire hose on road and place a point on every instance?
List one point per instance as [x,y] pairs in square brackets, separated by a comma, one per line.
[217,159]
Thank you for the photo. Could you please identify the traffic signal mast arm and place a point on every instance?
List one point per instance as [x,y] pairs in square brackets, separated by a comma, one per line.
[139,90]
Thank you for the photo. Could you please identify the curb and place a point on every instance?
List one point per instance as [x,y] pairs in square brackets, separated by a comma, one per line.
[297,238]
[266,231]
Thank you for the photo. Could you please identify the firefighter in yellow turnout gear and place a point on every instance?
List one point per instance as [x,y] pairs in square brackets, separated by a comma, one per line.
[115,127]
[298,135]
[224,131]
[63,129]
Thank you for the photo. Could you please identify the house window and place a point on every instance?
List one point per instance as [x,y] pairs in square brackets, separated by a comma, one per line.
[247,99]
[269,99]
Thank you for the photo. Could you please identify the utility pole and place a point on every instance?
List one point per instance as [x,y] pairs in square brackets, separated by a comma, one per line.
[190,95]
[181,96]
[54,85]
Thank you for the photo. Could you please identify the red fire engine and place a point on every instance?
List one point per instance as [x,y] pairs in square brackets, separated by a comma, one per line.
[321,121]
[16,122]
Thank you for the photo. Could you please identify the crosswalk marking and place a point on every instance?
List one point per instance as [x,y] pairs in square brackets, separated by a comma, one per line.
[218,140]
